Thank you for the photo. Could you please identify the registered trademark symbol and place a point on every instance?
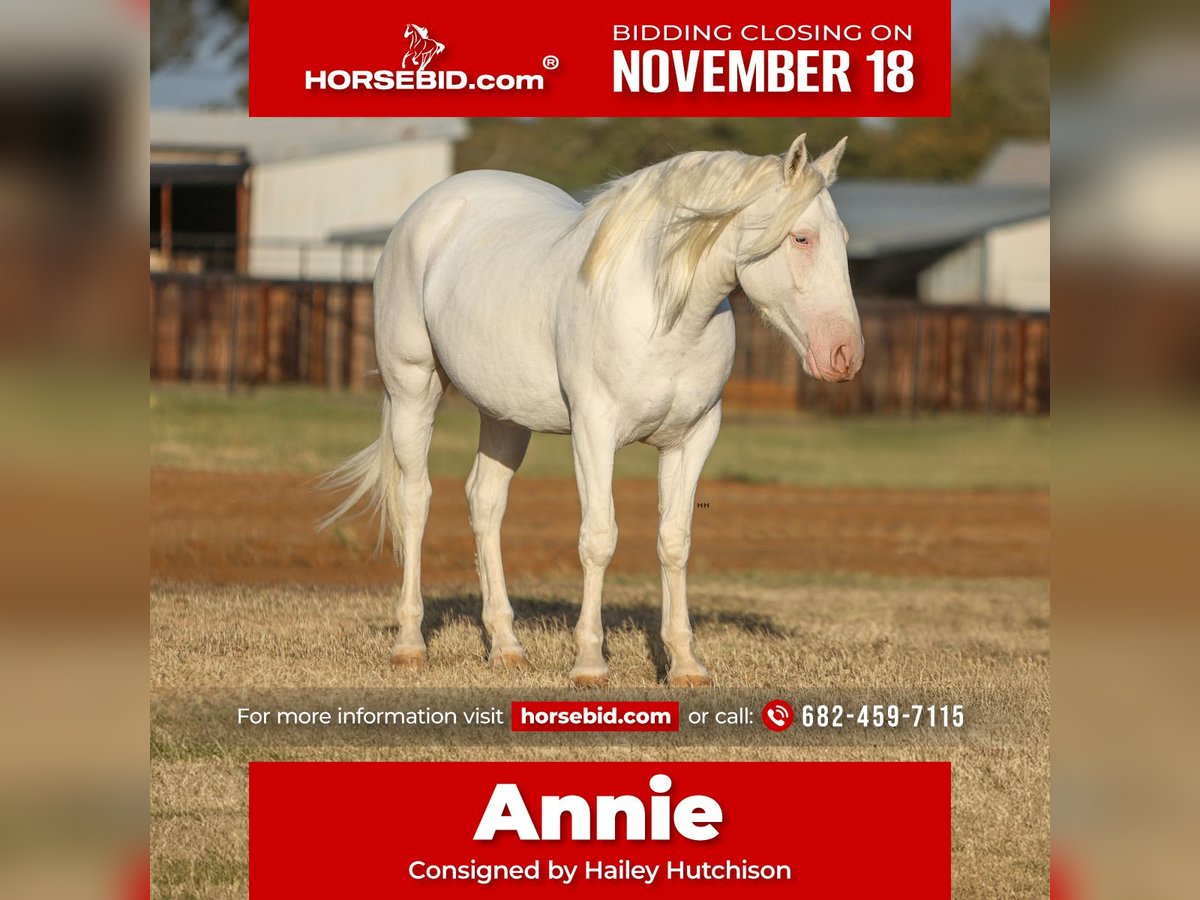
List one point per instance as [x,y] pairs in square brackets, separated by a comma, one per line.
[550,62]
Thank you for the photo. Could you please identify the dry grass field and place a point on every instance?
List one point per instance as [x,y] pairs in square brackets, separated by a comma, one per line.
[944,598]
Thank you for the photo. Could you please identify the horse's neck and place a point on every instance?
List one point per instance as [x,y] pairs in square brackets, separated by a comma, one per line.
[715,278]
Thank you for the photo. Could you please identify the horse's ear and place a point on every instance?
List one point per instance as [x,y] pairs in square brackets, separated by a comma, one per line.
[827,163]
[794,159]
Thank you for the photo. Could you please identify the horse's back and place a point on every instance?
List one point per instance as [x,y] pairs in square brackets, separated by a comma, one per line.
[481,214]
[495,185]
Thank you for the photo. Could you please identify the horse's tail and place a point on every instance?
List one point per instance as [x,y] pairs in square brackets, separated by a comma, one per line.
[375,474]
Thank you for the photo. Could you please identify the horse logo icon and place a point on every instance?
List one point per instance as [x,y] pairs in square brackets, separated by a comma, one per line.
[421,47]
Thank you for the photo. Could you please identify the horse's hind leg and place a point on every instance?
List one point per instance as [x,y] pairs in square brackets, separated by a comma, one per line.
[502,447]
[414,391]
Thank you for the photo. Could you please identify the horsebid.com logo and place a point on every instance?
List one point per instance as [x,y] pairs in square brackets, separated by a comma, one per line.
[413,74]
[421,47]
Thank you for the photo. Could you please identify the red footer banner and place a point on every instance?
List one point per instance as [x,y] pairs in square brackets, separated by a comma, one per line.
[845,830]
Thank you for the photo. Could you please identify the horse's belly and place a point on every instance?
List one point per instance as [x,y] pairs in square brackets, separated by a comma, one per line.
[506,378]
[538,410]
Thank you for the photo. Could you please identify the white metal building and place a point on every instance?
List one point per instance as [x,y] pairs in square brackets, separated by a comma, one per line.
[1007,265]
[985,242]
[275,197]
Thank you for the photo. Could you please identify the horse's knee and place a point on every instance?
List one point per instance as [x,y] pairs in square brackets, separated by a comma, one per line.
[597,544]
[674,545]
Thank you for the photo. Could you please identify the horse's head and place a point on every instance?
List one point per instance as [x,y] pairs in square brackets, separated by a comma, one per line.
[801,284]
[416,31]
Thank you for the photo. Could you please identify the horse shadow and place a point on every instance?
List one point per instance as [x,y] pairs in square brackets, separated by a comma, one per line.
[561,614]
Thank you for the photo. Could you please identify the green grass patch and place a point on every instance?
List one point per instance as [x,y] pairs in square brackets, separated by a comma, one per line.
[308,431]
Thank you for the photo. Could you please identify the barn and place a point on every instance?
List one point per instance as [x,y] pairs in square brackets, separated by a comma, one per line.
[980,243]
[272,197]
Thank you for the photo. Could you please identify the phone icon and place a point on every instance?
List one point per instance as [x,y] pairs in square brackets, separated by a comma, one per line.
[777,715]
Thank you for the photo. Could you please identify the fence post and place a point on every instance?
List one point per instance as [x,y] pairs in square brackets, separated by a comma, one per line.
[1022,393]
[264,333]
[155,366]
[914,397]
[235,314]
[990,325]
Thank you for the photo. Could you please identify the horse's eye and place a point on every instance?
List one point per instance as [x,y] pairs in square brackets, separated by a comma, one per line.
[800,238]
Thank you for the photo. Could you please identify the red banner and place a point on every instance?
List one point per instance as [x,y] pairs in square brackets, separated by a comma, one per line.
[621,58]
[694,830]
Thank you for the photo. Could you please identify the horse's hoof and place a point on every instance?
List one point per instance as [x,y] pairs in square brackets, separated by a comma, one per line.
[510,659]
[590,680]
[409,659]
[694,680]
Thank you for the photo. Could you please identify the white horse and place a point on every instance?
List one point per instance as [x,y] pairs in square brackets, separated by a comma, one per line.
[421,47]
[610,322]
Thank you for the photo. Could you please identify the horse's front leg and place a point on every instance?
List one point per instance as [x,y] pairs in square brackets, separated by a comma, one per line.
[594,447]
[678,473]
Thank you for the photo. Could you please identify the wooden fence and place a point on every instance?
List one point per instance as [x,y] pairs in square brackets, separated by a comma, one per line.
[919,358]
[236,330]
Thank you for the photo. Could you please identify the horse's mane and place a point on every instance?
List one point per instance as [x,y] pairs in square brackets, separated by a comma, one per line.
[692,198]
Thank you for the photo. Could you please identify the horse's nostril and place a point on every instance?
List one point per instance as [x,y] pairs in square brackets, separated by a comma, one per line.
[841,358]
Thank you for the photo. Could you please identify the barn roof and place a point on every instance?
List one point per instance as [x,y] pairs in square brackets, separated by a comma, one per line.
[886,217]
[266,140]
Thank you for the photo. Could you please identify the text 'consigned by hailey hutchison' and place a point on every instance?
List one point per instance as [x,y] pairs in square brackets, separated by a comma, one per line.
[624,870]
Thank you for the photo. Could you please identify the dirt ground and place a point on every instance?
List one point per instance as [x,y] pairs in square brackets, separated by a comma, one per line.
[258,528]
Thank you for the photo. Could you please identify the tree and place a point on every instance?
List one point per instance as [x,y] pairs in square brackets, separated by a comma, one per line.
[178,26]
[577,154]
[1003,91]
